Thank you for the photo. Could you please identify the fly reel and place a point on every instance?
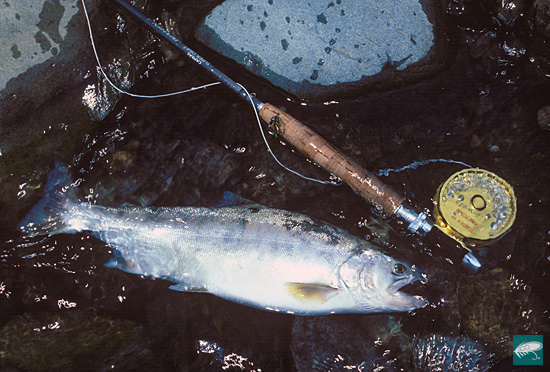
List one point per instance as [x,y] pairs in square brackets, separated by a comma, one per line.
[475,206]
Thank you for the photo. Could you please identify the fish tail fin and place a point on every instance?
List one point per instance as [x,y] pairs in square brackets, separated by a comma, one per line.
[51,214]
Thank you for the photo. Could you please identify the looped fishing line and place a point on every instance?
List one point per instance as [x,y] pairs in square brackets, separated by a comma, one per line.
[191,90]
[113,84]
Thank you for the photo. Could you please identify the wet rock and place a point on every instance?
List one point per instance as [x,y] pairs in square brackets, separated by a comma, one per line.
[72,341]
[510,11]
[496,305]
[542,18]
[482,44]
[52,93]
[541,36]
[333,343]
[49,54]
[543,117]
[33,33]
[225,336]
[350,45]
[449,354]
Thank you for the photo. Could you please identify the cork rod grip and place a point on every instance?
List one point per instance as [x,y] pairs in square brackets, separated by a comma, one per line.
[331,159]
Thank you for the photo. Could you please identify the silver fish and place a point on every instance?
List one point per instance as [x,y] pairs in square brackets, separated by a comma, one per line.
[257,256]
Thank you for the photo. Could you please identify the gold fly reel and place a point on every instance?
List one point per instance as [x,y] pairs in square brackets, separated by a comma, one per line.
[475,206]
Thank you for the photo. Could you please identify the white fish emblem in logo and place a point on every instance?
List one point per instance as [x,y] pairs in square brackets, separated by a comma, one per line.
[528,347]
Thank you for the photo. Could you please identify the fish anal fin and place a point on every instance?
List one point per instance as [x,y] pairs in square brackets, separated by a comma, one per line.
[313,292]
[184,287]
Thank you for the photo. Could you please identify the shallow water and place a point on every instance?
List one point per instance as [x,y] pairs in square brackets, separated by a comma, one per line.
[187,150]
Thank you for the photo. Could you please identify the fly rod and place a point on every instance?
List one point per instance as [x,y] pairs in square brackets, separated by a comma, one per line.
[315,147]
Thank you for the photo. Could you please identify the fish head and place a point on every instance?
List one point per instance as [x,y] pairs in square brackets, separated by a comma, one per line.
[376,282]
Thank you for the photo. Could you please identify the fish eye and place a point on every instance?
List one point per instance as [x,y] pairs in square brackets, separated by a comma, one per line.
[399,269]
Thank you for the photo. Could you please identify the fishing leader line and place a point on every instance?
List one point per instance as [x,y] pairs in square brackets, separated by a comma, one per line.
[271,152]
[415,164]
[88,22]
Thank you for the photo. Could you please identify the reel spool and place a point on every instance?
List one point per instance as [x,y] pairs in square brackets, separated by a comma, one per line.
[475,206]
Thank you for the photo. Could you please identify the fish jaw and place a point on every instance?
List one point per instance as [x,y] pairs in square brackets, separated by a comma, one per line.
[398,300]
[401,301]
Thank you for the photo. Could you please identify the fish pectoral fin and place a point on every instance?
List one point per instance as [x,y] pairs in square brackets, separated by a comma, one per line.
[183,287]
[311,291]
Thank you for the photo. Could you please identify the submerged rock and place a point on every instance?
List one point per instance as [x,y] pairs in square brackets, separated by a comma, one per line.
[449,354]
[496,305]
[542,19]
[334,343]
[543,117]
[541,37]
[71,341]
[229,336]
[326,48]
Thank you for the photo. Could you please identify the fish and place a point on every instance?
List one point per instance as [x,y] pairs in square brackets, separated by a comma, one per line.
[269,259]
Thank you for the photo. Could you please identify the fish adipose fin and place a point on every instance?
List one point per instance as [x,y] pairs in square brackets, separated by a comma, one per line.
[319,293]
[46,217]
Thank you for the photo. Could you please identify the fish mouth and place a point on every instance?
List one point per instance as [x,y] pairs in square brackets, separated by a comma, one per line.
[402,297]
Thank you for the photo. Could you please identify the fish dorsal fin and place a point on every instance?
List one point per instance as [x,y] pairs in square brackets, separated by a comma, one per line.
[183,287]
[313,292]
[231,200]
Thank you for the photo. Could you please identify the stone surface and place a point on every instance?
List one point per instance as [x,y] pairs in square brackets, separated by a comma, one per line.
[32,33]
[44,55]
[49,80]
[322,48]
